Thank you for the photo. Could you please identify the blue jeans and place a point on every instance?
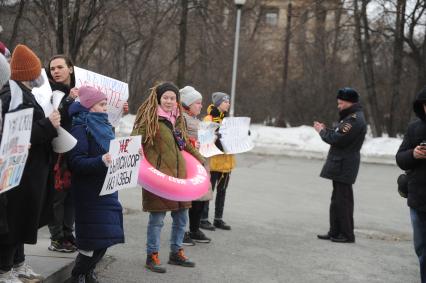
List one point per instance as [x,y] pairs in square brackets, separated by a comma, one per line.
[155,224]
[418,220]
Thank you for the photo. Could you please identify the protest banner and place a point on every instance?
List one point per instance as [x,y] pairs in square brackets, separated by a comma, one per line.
[207,138]
[14,147]
[124,168]
[43,95]
[116,91]
[234,135]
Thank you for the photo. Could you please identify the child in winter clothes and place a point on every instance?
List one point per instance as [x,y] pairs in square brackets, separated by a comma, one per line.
[192,104]
[98,219]
[220,165]
[161,125]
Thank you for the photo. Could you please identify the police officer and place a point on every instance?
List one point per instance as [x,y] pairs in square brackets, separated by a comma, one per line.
[342,163]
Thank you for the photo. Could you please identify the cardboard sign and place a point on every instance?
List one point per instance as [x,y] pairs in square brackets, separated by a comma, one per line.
[14,147]
[124,169]
[235,138]
[116,91]
[207,138]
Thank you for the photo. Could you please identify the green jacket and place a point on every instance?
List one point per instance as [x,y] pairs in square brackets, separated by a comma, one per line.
[165,155]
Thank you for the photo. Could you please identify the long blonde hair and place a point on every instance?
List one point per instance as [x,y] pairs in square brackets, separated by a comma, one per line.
[147,116]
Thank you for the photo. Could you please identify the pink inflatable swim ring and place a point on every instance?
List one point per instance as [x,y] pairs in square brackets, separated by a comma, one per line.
[193,187]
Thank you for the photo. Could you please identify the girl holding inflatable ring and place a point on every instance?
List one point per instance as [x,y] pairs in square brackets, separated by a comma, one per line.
[162,127]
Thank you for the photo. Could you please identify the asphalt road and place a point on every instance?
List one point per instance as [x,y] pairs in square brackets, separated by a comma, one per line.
[276,206]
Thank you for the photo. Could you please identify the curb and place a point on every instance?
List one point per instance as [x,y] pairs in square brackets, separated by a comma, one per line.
[310,154]
[61,275]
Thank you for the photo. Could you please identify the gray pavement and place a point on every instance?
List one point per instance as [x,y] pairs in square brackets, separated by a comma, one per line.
[276,206]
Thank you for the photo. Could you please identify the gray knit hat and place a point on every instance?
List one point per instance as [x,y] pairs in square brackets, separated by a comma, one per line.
[189,95]
[4,71]
[219,97]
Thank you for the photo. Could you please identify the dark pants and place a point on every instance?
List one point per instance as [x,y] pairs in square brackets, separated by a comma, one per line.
[62,222]
[418,221]
[11,255]
[219,180]
[342,211]
[85,264]
[195,215]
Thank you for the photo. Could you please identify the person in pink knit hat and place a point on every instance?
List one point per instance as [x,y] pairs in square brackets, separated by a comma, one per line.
[98,219]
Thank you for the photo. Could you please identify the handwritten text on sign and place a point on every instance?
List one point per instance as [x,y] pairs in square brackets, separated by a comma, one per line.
[116,91]
[123,170]
[235,138]
[14,147]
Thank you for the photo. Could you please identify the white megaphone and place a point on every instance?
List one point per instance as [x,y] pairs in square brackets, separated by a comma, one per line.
[64,142]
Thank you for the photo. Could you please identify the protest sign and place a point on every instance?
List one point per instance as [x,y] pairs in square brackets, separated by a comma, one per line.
[124,168]
[116,91]
[43,95]
[14,147]
[234,135]
[207,138]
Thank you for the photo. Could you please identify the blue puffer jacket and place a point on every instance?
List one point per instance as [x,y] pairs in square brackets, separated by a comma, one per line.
[98,219]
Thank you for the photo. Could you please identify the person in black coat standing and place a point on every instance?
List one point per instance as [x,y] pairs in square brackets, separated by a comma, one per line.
[61,226]
[411,157]
[27,203]
[342,163]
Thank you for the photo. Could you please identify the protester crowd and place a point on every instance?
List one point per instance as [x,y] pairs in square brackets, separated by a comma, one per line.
[63,190]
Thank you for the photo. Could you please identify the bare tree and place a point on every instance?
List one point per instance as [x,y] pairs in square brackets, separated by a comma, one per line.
[362,38]
[182,43]
[398,54]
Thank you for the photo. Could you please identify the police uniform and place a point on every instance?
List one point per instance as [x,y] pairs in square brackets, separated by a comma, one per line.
[342,167]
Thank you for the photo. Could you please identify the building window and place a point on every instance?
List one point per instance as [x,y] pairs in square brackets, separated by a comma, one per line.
[271,15]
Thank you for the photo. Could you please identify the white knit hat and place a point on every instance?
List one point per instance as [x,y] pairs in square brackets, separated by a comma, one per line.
[189,95]
[4,71]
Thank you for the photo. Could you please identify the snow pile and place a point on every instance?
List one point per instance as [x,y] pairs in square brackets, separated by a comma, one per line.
[299,141]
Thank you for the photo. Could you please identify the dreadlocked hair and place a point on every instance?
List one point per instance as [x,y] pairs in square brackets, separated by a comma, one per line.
[147,116]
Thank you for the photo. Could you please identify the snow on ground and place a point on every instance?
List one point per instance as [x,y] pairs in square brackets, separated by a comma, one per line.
[300,141]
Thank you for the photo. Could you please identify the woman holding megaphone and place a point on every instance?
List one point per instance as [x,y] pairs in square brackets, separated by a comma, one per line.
[60,72]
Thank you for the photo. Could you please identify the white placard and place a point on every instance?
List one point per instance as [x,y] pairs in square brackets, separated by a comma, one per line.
[124,169]
[235,138]
[43,95]
[14,147]
[116,91]
[207,138]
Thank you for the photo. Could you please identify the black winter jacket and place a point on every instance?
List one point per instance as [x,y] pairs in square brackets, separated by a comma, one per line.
[346,140]
[416,168]
[28,207]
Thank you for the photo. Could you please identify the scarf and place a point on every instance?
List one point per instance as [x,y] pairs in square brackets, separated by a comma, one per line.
[171,116]
[97,125]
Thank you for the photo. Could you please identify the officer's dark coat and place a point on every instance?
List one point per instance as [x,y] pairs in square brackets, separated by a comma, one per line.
[346,140]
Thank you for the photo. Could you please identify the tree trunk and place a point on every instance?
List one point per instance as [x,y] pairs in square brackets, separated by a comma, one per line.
[398,53]
[182,44]
[18,18]
[282,119]
[60,27]
[362,38]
